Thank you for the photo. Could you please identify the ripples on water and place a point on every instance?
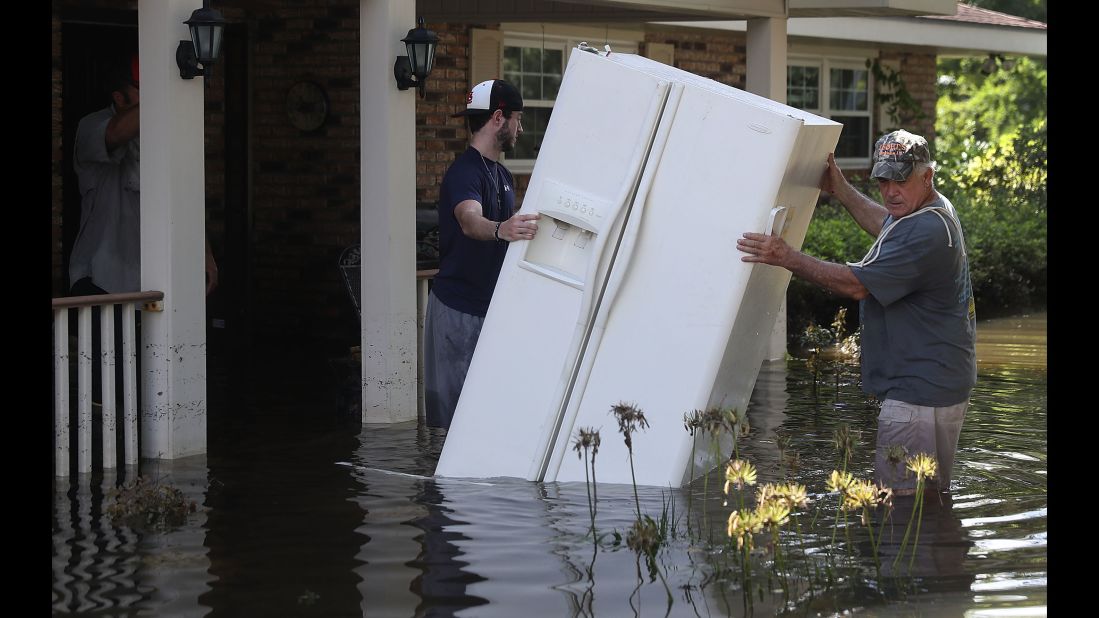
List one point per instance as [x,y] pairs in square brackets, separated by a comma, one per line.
[304,513]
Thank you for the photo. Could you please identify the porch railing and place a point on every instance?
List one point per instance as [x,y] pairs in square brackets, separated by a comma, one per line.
[423,288]
[112,367]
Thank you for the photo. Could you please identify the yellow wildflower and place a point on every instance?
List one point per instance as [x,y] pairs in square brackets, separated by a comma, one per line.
[773,513]
[796,495]
[742,524]
[923,465]
[766,492]
[739,472]
[885,496]
[860,494]
[839,481]
[792,495]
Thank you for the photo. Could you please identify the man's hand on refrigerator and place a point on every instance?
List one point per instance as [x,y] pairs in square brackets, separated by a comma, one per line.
[832,179]
[520,227]
[764,248]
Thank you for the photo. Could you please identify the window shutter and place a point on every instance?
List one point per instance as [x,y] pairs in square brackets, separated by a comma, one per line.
[486,55]
[661,52]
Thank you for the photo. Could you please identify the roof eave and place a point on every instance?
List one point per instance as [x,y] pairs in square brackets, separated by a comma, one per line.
[944,37]
[870,8]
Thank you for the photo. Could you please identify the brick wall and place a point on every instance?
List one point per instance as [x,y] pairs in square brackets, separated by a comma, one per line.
[305,185]
[919,74]
[720,56]
[440,138]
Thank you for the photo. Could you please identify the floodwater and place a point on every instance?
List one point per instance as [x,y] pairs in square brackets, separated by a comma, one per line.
[303,512]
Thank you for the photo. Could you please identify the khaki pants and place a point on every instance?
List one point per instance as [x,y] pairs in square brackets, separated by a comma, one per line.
[920,429]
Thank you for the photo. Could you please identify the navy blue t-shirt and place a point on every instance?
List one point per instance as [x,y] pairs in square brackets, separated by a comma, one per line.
[468,268]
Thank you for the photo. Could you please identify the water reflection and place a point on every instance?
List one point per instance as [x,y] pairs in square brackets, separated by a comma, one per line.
[410,554]
[1012,343]
[304,513]
[110,570]
[283,524]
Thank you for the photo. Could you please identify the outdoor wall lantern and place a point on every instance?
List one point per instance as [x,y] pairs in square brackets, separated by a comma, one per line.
[206,26]
[413,69]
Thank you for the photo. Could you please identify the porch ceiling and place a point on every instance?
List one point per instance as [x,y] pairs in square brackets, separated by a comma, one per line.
[487,11]
[667,10]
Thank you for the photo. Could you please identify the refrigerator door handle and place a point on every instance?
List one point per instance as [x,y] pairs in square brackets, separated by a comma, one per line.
[628,243]
[776,221]
[657,107]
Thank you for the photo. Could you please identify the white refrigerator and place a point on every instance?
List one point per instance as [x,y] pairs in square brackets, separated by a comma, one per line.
[633,290]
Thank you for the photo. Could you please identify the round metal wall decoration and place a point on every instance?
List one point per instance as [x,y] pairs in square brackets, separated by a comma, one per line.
[307,105]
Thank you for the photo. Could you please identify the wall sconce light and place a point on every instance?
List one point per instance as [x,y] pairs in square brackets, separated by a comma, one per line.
[413,69]
[206,26]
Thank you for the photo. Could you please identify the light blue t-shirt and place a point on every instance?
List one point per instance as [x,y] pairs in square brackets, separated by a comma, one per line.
[918,324]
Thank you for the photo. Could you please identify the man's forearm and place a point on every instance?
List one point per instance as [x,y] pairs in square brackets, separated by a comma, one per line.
[869,214]
[836,278]
[476,226]
[123,127]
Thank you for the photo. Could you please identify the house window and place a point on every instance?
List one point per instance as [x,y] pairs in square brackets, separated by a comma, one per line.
[803,87]
[839,90]
[536,66]
[536,72]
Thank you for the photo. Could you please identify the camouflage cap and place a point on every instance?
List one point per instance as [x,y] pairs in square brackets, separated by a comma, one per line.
[896,154]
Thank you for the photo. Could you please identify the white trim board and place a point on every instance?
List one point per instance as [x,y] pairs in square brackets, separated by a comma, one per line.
[946,38]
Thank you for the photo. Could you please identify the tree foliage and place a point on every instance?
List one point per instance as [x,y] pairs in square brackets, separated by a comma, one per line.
[991,144]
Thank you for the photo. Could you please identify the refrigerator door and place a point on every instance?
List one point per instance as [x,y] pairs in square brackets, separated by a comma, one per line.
[687,326]
[588,170]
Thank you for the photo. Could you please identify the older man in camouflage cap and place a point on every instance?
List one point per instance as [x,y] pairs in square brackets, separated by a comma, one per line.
[916,305]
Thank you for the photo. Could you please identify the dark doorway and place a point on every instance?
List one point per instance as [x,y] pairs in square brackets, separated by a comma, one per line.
[229,333]
[91,44]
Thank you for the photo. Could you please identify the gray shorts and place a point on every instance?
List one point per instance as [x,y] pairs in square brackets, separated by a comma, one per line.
[920,429]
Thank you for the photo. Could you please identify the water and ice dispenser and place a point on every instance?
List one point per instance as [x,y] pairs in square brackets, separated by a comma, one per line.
[568,235]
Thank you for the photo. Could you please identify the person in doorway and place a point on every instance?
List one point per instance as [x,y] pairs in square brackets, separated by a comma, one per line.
[106,256]
[916,305]
[477,220]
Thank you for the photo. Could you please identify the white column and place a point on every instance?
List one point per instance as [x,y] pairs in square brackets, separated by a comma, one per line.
[766,76]
[388,202]
[766,71]
[173,193]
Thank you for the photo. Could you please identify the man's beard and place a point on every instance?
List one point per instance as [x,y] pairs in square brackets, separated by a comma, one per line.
[505,139]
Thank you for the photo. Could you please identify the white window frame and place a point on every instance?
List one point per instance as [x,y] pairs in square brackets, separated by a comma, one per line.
[825,64]
[566,44]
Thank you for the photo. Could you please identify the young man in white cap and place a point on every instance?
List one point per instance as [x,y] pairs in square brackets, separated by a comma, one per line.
[477,220]
[917,312]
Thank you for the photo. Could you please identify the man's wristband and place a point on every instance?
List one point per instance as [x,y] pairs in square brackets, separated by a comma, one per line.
[497,232]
